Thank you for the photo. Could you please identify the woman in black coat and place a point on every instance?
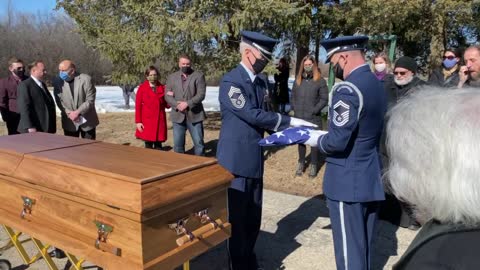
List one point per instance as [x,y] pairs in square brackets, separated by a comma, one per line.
[309,97]
[447,75]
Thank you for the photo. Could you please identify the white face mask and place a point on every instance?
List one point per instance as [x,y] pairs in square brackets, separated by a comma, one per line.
[402,82]
[380,67]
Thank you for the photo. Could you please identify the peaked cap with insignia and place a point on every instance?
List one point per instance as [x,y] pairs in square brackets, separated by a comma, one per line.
[261,42]
[343,44]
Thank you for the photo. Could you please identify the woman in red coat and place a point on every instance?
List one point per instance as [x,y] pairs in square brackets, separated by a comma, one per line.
[150,116]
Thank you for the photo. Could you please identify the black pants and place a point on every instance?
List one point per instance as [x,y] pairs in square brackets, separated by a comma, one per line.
[245,215]
[11,120]
[91,134]
[153,145]
[302,151]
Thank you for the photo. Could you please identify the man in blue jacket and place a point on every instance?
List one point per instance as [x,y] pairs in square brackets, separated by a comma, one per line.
[352,181]
[244,121]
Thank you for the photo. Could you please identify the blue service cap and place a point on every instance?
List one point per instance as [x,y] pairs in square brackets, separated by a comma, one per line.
[259,41]
[342,44]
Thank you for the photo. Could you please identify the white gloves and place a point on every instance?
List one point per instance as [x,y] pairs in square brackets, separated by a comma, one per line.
[296,122]
[314,135]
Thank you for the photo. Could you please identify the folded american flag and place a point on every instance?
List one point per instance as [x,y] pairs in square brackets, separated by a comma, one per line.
[287,136]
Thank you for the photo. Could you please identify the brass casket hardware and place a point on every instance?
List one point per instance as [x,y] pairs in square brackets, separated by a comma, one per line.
[179,228]
[27,206]
[204,217]
[104,230]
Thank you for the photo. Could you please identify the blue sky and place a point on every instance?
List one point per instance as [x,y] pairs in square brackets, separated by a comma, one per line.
[28,6]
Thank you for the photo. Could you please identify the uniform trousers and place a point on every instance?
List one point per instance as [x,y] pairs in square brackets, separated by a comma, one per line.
[353,225]
[245,215]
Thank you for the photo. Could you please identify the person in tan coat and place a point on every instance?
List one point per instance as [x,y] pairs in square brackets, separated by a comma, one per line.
[75,97]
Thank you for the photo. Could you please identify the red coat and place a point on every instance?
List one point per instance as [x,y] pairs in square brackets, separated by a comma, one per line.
[150,111]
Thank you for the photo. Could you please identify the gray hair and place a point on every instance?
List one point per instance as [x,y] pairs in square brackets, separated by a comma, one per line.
[244,46]
[433,143]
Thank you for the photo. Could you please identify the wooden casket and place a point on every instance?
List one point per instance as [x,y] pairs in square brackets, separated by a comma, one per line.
[117,206]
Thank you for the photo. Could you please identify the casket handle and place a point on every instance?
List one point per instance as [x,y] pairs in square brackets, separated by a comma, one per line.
[104,230]
[200,232]
[180,228]
[204,217]
[27,206]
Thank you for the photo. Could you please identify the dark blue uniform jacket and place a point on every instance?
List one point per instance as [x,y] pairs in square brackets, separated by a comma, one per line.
[356,115]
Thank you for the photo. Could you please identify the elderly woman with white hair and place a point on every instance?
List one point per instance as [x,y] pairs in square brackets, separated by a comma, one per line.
[433,143]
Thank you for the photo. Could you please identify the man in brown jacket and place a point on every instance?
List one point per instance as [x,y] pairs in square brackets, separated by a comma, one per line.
[185,93]
[8,94]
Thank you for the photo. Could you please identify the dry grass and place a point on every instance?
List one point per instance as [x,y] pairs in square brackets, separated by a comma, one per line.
[280,165]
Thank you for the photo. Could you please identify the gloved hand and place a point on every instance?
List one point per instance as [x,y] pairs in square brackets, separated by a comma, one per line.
[314,135]
[296,122]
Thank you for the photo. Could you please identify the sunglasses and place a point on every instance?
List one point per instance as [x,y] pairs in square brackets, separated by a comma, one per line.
[401,73]
[449,57]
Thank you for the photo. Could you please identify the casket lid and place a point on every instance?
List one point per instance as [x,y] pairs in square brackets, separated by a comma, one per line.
[127,177]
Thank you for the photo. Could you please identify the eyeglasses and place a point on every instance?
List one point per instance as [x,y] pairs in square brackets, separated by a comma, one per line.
[401,73]
[450,57]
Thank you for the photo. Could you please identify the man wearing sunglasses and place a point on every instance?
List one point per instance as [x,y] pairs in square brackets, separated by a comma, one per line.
[8,94]
[405,80]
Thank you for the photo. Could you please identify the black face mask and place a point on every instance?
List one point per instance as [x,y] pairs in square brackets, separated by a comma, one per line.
[186,70]
[20,73]
[338,71]
[259,65]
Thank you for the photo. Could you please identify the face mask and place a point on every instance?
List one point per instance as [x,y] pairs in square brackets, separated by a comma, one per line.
[19,73]
[152,78]
[380,67]
[448,64]
[259,65]
[186,70]
[338,71]
[63,75]
[308,69]
[402,82]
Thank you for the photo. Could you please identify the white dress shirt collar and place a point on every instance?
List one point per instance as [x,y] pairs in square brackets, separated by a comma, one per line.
[38,82]
[250,73]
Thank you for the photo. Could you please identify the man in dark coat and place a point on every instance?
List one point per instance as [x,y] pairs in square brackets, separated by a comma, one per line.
[352,182]
[35,103]
[244,121]
[8,94]
[404,83]
[404,80]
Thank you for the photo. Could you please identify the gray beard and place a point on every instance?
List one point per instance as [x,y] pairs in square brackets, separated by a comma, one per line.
[403,82]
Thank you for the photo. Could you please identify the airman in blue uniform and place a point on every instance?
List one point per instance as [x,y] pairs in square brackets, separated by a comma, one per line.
[352,181]
[244,121]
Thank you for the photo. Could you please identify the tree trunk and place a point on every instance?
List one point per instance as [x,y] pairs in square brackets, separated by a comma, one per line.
[437,44]
[302,49]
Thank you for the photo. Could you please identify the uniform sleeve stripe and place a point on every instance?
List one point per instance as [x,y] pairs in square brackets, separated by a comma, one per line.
[320,144]
[278,122]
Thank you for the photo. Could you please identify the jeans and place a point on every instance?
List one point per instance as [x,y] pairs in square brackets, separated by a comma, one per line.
[196,131]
